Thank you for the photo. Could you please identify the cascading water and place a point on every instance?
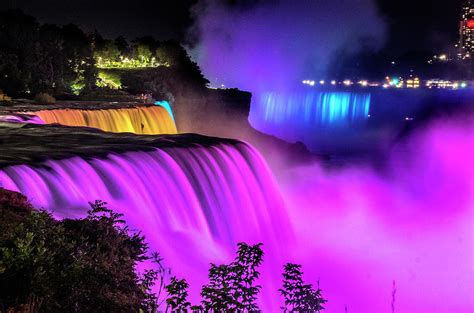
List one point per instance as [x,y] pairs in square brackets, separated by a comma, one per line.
[21,118]
[309,115]
[310,109]
[192,203]
[354,229]
[146,120]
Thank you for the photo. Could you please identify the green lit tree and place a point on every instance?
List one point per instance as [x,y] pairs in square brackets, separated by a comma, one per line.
[107,54]
[298,296]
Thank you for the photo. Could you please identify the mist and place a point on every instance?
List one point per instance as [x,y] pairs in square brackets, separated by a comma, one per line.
[273,45]
[359,229]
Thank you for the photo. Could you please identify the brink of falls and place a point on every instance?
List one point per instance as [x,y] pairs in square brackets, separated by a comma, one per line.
[194,197]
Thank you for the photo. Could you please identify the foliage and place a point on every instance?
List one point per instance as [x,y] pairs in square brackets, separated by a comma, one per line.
[89,265]
[109,79]
[231,287]
[43,58]
[86,265]
[64,61]
[298,296]
[177,300]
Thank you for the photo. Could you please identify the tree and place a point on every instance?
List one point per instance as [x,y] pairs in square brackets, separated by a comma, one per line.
[231,287]
[122,45]
[108,52]
[298,296]
[178,295]
[85,265]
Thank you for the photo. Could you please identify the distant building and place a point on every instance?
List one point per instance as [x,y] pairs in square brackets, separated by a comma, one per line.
[466,30]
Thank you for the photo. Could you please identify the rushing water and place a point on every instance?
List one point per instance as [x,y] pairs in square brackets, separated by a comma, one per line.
[347,121]
[310,109]
[151,120]
[354,229]
[192,204]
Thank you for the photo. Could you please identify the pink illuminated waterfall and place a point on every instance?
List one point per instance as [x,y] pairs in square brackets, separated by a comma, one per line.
[193,204]
[354,229]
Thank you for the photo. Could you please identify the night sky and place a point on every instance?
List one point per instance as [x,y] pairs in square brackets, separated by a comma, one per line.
[412,24]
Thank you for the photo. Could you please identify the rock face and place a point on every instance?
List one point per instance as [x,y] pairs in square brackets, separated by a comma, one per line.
[30,106]
[225,113]
[34,144]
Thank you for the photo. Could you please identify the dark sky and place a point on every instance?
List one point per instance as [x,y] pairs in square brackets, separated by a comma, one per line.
[413,24]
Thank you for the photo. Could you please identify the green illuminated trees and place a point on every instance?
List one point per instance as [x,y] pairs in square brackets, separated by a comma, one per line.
[43,58]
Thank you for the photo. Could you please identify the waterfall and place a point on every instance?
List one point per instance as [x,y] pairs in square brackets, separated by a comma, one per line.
[192,203]
[310,109]
[318,119]
[149,120]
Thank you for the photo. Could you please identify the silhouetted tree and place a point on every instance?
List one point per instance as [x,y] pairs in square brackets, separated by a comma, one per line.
[83,265]
[43,58]
[177,300]
[232,287]
[298,296]
[122,45]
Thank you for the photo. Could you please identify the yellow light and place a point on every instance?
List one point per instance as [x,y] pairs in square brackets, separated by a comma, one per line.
[151,120]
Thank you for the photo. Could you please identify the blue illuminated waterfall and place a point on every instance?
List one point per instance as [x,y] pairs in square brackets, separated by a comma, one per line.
[311,109]
[309,116]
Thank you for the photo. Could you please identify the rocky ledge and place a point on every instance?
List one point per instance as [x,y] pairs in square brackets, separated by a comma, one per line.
[34,144]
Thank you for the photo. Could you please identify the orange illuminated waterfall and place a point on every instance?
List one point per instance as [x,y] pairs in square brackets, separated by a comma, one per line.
[146,120]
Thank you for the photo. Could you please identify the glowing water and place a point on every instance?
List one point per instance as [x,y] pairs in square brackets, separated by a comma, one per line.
[192,204]
[309,116]
[167,106]
[151,120]
[21,118]
[310,109]
[354,229]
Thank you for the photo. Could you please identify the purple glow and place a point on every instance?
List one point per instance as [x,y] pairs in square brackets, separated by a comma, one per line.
[359,230]
[354,229]
[273,45]
[21,118]
[204,200]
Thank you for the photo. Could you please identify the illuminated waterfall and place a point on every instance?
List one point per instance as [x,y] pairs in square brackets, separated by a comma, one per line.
[149,120]
[310,109]
[192,203]
[21,118]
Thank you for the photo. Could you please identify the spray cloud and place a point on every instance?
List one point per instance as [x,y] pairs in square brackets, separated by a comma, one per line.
[272,44]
